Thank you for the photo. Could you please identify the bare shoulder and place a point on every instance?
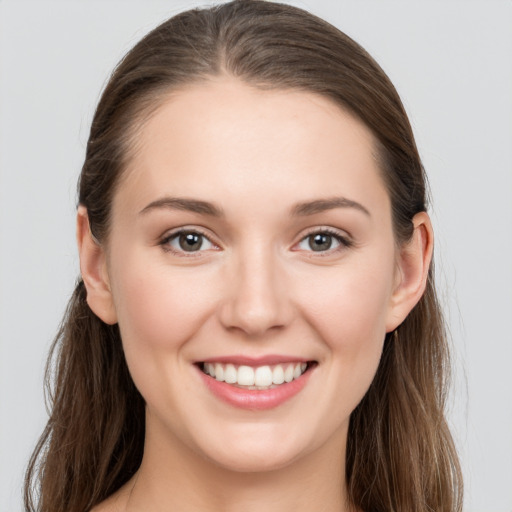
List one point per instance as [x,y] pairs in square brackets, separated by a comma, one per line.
[104,506]
[115,503]
[111,504]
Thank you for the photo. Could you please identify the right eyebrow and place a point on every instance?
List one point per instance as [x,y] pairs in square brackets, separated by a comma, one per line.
[181,203]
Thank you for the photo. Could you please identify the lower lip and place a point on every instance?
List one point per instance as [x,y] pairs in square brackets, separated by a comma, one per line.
[255,399]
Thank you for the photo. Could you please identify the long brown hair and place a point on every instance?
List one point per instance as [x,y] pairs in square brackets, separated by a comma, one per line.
[400,453]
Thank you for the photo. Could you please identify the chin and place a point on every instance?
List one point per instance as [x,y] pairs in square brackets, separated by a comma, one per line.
[251,462]
[261,452]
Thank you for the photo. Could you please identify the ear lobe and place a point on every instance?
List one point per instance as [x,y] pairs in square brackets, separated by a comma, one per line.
[412,273]
[93,267]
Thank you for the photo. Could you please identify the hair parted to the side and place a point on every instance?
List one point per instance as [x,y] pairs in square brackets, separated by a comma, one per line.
[400,453]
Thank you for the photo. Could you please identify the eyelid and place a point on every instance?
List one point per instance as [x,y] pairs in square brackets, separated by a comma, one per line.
[173,233]
[344,239]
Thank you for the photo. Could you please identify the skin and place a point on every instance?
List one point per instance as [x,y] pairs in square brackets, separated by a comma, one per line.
[255,288]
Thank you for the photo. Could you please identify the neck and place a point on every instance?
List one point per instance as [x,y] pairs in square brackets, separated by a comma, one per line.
[174,477]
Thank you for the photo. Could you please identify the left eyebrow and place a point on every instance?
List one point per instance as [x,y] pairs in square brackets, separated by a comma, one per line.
[321,205]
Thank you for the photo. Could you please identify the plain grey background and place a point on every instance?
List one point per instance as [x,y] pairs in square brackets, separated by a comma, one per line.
[451,62]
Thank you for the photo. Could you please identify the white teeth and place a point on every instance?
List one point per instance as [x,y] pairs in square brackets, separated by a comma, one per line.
[278,375]
[261,377]
[288,373]
[245,376]
[230,374]
[219,372]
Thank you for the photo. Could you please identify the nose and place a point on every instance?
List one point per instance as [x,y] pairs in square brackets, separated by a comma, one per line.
[257,298]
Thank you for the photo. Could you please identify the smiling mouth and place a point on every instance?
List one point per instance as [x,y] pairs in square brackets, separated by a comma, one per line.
[259,377]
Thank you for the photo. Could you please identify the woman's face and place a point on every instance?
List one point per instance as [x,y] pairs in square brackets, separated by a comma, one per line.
[252,231]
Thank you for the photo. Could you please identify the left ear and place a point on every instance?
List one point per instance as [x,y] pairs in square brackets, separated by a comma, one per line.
[412,271]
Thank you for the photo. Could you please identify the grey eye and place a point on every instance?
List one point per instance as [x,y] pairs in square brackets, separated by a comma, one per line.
[319,242]
[190,241]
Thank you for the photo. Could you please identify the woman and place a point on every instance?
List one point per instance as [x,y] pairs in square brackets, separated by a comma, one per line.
[256,322]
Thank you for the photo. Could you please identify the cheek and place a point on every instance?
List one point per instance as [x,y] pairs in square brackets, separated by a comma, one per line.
[348,307]
[351,322]
[159,308]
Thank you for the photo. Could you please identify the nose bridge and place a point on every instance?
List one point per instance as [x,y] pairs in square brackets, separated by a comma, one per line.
[257,300]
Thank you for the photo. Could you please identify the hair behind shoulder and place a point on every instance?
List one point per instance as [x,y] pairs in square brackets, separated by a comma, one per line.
[94,438]
[400,453]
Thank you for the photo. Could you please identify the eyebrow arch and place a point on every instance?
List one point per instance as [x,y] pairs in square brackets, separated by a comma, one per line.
[181,203]
[321,205]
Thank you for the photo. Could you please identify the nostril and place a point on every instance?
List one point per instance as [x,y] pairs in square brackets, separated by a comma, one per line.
[255,307]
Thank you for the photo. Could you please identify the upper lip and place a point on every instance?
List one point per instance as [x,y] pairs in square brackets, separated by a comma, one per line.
[269,359]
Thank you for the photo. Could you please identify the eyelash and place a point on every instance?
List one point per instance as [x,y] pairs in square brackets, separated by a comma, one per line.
[165,242]
[344,241]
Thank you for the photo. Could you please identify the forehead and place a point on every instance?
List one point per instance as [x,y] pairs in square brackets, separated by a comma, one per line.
[224,140]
